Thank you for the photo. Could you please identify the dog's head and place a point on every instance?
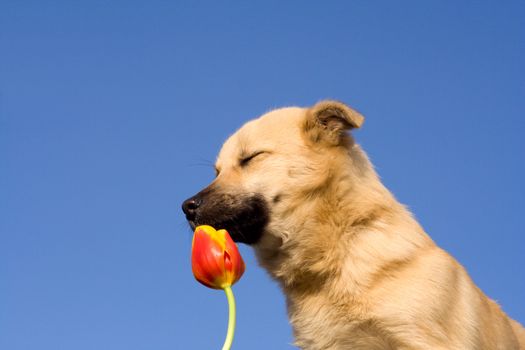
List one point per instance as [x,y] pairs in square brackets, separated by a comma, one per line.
[270,166]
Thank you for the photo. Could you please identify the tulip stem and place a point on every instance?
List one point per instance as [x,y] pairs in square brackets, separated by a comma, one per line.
[231,320]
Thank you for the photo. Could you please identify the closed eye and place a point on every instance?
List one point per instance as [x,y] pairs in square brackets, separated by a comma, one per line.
[244,161]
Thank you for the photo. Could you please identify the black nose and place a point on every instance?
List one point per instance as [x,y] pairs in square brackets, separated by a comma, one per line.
[190,206]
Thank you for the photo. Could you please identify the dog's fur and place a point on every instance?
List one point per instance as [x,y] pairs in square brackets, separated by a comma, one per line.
[357,269]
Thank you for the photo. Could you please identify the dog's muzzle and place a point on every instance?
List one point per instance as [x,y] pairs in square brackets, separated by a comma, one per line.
[244,216]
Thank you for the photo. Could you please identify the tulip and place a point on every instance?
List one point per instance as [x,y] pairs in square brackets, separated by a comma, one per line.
[217,263]
[215,259]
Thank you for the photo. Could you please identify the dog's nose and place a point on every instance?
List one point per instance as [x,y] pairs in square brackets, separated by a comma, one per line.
[190,206]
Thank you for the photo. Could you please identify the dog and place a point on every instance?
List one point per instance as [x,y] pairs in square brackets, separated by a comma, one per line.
[357,269]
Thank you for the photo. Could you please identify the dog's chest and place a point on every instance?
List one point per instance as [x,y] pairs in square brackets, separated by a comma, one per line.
[321,325]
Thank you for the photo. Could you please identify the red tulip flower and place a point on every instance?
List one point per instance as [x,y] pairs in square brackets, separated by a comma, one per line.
[215,259]
[217,263]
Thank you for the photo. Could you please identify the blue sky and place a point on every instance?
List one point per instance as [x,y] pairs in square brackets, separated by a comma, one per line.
[111,113]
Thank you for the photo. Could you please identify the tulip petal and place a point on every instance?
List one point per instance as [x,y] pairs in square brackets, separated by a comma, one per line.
[207,262]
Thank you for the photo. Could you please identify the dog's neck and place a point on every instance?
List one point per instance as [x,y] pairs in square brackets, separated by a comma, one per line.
[328,240]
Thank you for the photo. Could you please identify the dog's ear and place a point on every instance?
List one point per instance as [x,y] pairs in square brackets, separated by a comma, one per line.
[328,121]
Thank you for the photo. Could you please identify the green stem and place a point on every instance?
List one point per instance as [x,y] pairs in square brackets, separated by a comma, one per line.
[231,321]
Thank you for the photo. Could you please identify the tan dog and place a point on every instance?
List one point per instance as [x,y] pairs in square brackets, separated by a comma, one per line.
[357,269]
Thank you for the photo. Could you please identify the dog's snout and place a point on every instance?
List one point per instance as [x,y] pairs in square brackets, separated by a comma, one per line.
[190,206]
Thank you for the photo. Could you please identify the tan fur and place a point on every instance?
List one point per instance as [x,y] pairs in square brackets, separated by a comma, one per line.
[357,269]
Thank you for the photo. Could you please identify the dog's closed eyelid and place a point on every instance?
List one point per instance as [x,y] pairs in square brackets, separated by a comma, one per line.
[245,160]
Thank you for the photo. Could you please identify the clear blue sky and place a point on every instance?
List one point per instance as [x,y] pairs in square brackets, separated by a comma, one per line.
[112,112]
